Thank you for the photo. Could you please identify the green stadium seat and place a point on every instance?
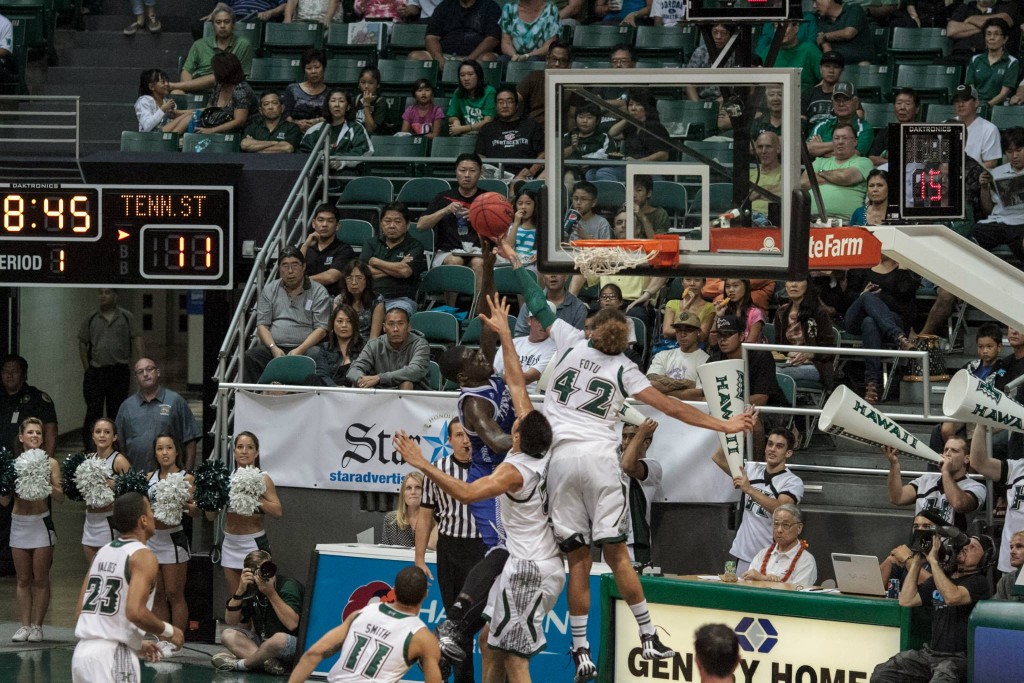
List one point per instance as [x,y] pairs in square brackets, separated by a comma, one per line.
[354,232]
[385,146]
[931,81]
[917,45]
[212,143]
[419,192]
[720,201]
[367,44]
[611,194]
[937,113]
[20,52]
[691,38]
[878,115]
[653,42]
[296,37]
[493,185]
[1007,117]
[718,150]
[439,328]
[441,279]
[450,75]
[871,80]
[597,39]
[185,101]
[268,72]
[694,120]
[40,21]
[670,196]
[424,237]
[344,72]
[516,71]
[134,141]
[450,148]
[365,195]
[880,37]
[658,63]
[397,76]
[406,38]
[591,63]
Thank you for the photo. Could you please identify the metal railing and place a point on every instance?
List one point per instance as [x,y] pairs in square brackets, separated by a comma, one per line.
[40,138]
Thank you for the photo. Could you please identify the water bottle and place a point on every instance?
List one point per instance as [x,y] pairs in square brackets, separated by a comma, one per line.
[463,225]
[572,219]
[893,592]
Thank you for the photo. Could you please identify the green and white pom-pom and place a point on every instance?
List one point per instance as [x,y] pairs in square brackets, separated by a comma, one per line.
[131,481]
[8,474]
[67,475]
[91,479]
[247,486]
[212,480]
[33,468]
[169,496]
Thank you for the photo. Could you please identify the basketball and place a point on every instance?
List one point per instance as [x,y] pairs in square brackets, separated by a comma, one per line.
[490,214]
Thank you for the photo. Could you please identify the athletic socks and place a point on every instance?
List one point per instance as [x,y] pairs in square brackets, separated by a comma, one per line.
[469,605]
[643,618]
[240,665]
[579,631]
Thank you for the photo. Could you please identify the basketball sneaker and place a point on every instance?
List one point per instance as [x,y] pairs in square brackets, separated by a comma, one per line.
[453,643]
[586,670]
[653,648]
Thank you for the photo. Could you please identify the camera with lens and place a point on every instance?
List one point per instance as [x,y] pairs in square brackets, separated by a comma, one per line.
[267,570]
[950,539]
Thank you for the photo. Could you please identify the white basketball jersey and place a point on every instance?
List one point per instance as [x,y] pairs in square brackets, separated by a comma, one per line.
[1013,478]
[587,388]
[524,513]
[755,532]
[104,606]
[375,647]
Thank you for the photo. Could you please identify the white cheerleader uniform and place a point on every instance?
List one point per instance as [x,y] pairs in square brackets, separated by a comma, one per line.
[98,530]
[32,531]
[170,546]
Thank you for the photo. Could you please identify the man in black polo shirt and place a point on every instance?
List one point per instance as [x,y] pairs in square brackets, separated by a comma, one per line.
[325,254]
[270,134]
[395,259]
[462,29]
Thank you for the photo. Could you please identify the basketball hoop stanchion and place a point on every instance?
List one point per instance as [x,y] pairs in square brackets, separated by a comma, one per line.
[594,258]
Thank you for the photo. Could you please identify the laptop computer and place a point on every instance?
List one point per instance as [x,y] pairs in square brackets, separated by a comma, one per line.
[858,574]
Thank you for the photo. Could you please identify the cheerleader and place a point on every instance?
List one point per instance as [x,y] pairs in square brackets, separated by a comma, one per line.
[97,531]
[244,533]
[32,534]
[170,490]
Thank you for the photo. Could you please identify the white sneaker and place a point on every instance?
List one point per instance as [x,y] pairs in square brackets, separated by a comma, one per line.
[167,649]
[35,634]
[21,635]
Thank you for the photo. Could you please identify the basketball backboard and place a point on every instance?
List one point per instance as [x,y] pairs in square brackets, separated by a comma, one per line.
[698,172]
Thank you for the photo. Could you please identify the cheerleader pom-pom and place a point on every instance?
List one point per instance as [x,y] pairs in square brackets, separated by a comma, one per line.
[91,479]
[131,481]
[169,496]
[212,482]
[67,476]
[8,474]
[33,468]
[247,486]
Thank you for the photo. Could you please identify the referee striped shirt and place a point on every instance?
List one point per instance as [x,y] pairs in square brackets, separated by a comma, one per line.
[453,518]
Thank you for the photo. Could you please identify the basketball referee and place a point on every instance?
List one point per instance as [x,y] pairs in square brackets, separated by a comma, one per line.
[459,546]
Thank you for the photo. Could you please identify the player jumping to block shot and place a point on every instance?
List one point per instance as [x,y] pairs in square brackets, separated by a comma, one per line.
[590,383]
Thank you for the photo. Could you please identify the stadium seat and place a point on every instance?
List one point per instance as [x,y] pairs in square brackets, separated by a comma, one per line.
[506,283]
[693,120]
[660,42]
[611,194]
[133,141]
[717,150]
[406,38]
[670,196]
[439,328]
[39,18]
[397,76]
[434,376]
[917,45]
[871,80]
[591,63]
[1007,117]
[354,232]
[516,71]
[212,143]
[937,113]
[493,185]
[271,72]
[878,115]
[640,331]
[449,148]
[880,37]
[931,81]
[597,39]
[441,279]
[367,43]
[691,38]
[417,193]
[720,202]
[385,146]
[185,101]
[19,25]
[424,237]
[344,72]
[288,370]
[296,37]
[450,75]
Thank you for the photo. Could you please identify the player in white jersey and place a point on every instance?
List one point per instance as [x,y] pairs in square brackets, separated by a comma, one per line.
[589,385]
[1009,473]
[380,642]
[114,605]
[950,493]
[765,486]
[534,575]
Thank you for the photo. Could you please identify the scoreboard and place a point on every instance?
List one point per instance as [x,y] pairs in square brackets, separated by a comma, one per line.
[56,235]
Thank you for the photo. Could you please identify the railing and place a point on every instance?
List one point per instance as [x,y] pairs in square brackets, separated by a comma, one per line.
[44,131]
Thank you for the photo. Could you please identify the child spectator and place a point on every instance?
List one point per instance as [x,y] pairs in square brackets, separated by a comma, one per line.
[692,301]
[590,226]
[378,114]
[586,142]
[985,367]
[522,234]
[422,117]
[737,301]
[649,219]
[154,109]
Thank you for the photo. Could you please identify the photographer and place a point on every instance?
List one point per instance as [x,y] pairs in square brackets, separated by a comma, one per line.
[264,618]
[957,583]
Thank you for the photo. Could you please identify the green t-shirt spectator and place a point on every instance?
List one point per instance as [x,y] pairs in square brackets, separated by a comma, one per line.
[865,133]
[841,201]
[862,47]
[197,63]
[989,78]
[470,111]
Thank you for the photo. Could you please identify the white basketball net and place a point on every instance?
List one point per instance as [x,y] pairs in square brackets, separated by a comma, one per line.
[597,261]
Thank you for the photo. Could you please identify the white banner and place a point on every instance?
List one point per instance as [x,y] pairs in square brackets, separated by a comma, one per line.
[341,439]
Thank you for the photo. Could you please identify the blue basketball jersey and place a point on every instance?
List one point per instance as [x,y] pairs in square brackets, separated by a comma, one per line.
[496,393]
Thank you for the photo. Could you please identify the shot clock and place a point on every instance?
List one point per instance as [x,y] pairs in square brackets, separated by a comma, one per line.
[98,235]
[931,160]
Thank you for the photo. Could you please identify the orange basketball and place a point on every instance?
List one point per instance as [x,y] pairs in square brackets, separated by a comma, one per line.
[490,214]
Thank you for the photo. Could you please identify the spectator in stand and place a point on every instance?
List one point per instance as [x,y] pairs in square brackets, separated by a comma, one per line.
[650,220]
[347,136]
[145,18]
[842,177]
[325,254]
[816,103]
[591,225]
[737,301]
[907,107]
[304,102]
[768,119]
[314,11]
[804,321]
[585,142]
[154,109]
[9,74]
[232,100]
[531,87]
[379,10]
[965,27]
[395,260]
[462,30]
[418,11]
[845,110]
[512,136]
[797,54]
[983,139]
[647,144]
[535,351]
[1004,589]
[379,115]
[344,342]
[884,311]
[929,13]
[270,133]
[703,57]
[691,301]
[673,372]
[761,291]
[768,174]
[359,294]
[621,56]
[448,216]
[423,117]
[843,28]
[472,103]
[645,475]
[1005,222]
[259,10]
[876,201]
[624,12]
[786,560]
[995,72]
[667,12]
[400,524]
[1003,473]
[528,27]
[197,70]
[291,315]
[567,306]
[398,359]
[522,234]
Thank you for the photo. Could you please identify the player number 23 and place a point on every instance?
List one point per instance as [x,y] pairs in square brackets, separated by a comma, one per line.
[565,386]
[102,596]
